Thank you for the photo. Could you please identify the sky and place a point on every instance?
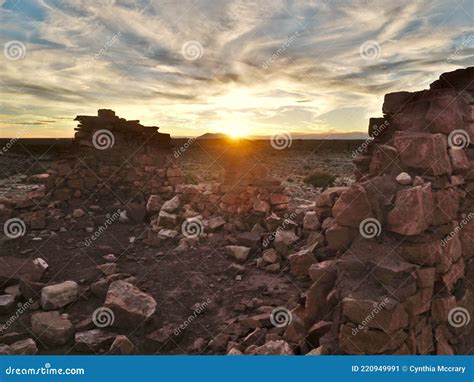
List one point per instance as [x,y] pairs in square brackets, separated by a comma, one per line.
[250,68]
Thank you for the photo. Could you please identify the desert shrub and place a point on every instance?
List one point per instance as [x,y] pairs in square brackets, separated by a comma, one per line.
[320,179]
[191,178]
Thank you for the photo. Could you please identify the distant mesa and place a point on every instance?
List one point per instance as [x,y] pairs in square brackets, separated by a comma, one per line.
[213,136]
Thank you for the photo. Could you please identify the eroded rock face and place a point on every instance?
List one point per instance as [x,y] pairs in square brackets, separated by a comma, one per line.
[131,306]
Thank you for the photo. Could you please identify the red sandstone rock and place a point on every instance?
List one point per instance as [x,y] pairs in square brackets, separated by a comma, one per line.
[352,207]
[446,206]
[374,314]
[423,151]
[300,262]
[369,341]
[339,237]
[131,306]
[413,211]
[279,199]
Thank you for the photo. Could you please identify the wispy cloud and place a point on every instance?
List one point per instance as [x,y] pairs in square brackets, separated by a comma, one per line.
[265,66]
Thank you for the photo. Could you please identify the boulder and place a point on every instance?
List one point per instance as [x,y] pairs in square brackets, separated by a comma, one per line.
[279,199]
[301,261]
[130,305]
[171,205]
[239,253]
[339,237]
[278,347]
[283,241]
[14,269]
[154,204]
[7,304]
[352,207]
[167,220]
[93,341]
[270,256]
[51,328]
[261,206]
[374,314]
[413,211]
[58,295]
[122,346]
[24,347]
[216,223]
[311,221]
[424,151]
[369,341]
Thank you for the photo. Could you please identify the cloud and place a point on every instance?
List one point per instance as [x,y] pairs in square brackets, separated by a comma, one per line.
[265,66]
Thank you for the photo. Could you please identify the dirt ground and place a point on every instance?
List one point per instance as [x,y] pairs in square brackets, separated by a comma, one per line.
[176,280]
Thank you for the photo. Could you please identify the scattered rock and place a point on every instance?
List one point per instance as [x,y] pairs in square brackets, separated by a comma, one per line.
[122,346]
[58,295]
[93,341]
[131,306]
[7,304]
[24,347]
[171,205]
[239,253]
[404,178]
[51,328]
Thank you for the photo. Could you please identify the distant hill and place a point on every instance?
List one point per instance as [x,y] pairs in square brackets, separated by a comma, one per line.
[213,136]
[329,135]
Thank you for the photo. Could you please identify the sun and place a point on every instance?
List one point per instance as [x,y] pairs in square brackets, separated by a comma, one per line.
[236,134]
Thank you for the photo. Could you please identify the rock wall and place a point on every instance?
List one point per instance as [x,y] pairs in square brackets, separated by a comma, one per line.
[401,280]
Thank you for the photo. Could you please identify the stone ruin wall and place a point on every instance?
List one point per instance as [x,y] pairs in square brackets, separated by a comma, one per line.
[403,235]
[123,164]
